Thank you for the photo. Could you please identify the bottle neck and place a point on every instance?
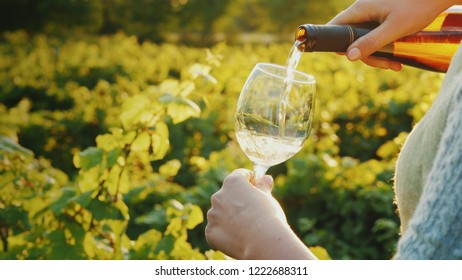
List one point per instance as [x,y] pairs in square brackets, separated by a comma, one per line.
[327,38]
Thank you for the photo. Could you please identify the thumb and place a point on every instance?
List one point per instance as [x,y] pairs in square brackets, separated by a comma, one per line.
[371,42]
[265,184]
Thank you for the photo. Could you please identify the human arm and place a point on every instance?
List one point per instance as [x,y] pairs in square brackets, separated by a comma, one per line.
[435,230]
[246,222]
[397,18]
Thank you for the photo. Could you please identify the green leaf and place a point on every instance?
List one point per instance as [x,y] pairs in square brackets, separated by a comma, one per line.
[8,146]
[145,244]
[215,255]
[16,218]
[195,216]
[117,181]
[116,227]
[66,197]
[123,209]
[160,141]
[306,224]
[175,227]
[85,198]
[156,218]
[142,142]
[182,110]
[131,107]
[90,157]
[6,179]
[112,156]
[198,70]
[59,247]
[166,245]
[138,110]
[77,231]
[104,210]
[186,88]
[106,142]
[169,87]
[89,245]
[170,168]
[320,252]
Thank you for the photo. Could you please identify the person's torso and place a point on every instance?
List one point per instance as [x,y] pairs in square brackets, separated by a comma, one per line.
[417,155]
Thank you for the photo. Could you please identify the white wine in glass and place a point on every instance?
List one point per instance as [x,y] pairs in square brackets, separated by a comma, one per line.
[274,114]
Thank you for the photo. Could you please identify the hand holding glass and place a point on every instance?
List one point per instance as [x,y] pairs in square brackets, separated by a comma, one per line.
[274,114]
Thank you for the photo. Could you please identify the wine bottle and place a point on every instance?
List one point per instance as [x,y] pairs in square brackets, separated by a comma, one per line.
[429,49]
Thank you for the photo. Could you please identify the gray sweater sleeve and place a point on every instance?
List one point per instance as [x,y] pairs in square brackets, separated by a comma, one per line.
[435,230]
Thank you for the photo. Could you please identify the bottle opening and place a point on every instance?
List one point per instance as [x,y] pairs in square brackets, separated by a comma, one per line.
[300,37]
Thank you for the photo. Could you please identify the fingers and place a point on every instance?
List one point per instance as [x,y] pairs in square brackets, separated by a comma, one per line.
[241,177]
[366,46]
[238,177]
[362,48]
[353,14]
[383,63]
[364,12]
[265,184]
[372,42]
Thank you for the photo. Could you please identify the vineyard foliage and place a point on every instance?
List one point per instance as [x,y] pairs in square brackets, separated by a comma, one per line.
[110,148]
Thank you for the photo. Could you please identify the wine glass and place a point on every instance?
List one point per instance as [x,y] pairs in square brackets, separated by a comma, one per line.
[274,115]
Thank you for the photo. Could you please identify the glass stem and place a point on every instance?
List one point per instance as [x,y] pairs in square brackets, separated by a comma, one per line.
[259,171]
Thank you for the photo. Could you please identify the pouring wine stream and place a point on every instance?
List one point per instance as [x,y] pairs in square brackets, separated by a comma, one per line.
[291,64]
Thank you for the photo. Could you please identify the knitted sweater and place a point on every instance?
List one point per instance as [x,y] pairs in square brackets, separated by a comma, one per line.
[428,180]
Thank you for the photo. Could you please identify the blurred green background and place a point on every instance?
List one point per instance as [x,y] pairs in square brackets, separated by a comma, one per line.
[193,21]
[117,126]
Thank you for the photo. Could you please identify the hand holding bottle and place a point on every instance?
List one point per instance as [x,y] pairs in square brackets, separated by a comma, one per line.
[397,18]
